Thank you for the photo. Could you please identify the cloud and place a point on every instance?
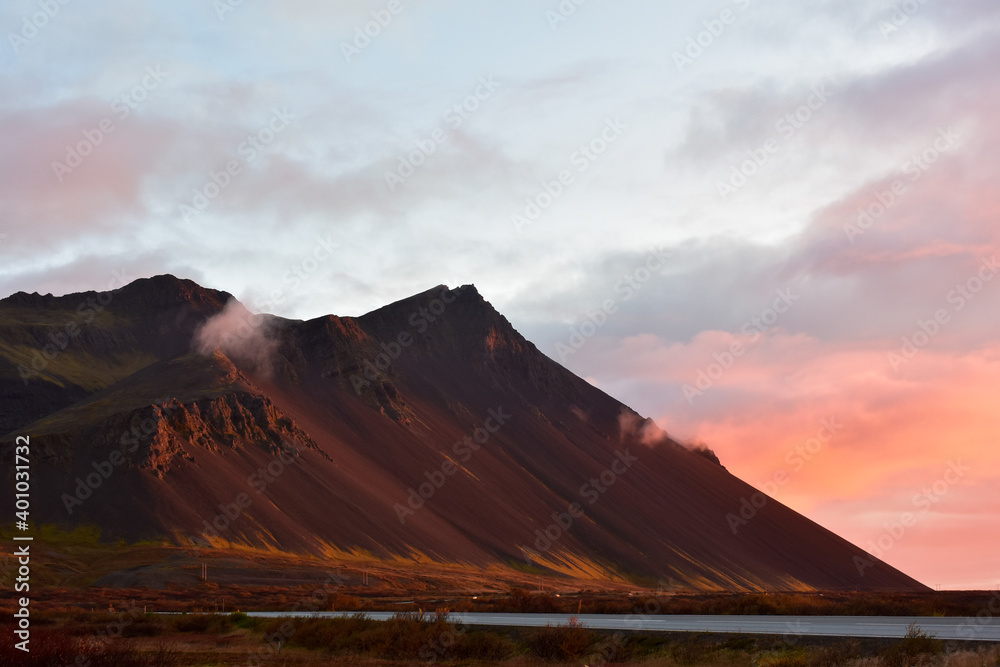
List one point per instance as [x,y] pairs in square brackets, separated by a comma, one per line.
[703,450]
[633,427]
[241,335]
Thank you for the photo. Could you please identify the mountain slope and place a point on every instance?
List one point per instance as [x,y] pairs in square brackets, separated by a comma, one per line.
[427,429]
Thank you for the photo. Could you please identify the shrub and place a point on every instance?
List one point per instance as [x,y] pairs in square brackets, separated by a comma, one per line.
[406,636]
[483,645]
[241,620]
[343,602]
[561,642]
[690,651]
[147,625]
[610,650]
[784,659]
[50,647]
[835,656]
[208,623]
[914,644]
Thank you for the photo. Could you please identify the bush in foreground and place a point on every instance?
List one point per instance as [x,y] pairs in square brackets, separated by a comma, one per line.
[561,642]
[53,647]
[908,650]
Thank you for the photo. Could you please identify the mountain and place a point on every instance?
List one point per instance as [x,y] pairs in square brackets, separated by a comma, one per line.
[427,430]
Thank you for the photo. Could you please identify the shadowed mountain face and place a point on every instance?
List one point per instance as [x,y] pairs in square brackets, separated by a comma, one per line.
[427,429]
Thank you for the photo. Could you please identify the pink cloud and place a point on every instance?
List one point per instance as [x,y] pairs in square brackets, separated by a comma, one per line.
[101,193]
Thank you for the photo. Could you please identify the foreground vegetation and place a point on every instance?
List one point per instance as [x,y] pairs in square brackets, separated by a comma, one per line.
[76,575]
[146,640]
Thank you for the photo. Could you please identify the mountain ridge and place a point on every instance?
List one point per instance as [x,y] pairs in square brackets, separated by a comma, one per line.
[188,397]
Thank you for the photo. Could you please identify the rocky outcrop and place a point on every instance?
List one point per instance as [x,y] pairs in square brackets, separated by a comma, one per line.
[158,437]
[162,433]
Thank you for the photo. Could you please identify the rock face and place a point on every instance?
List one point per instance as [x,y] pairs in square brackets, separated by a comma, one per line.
[428,428]
[157,438]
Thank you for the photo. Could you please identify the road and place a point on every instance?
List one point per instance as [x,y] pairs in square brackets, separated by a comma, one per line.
[987,629]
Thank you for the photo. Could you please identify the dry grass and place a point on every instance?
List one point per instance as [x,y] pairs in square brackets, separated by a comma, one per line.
[236,639]
[983,657]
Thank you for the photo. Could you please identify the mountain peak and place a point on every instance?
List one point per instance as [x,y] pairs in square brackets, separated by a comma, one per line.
[441,292]
[457,317]
[153,292]
[167,290]
[27,300]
